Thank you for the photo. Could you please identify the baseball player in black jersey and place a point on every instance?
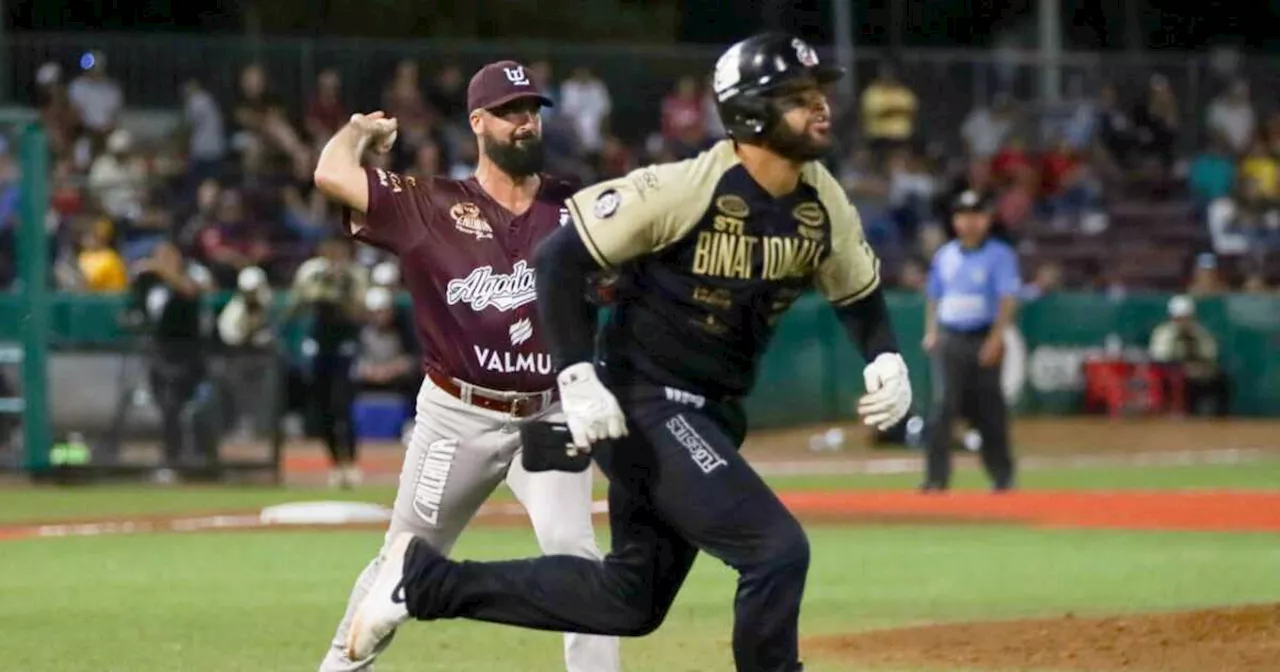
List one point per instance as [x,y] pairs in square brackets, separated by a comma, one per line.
[710,252]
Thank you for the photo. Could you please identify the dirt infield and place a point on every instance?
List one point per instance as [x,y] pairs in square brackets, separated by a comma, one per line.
[1241,639]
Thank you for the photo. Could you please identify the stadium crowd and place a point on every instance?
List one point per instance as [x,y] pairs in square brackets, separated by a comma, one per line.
[233,188]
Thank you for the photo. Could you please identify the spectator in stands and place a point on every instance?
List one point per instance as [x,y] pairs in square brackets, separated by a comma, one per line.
[1260,167]
[403,97]
[914,275]
[889,110]
[325,111]
[1255,282]
[449,93]
[96,97]
[1080,122]
[711,111]
[585,100]
[388,357]
[1068,189]
[1271,132]
[427,161]
[100,267]
[616,159]
[1183,341]
[1115,128]
[419,132]
[262,130]
[59,116]
[1206,279]
[683,126]
[118,179]
[987,128]
[1231,114]
[1018,186]
[541,73]
[1212,174]
[206,136]
[233,242]
[307,215]
[912,188]
[1047,280]
[1156,122]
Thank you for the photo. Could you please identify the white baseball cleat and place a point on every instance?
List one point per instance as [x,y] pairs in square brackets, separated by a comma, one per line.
[383,608]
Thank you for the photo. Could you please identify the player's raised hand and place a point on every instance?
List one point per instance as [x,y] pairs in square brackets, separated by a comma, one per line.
[590,409]
[379,128]
[888,396]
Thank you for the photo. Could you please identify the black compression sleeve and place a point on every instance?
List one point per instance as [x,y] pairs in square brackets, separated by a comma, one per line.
[568,320]
[867,323]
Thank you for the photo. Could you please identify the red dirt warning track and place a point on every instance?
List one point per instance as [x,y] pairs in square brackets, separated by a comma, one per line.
[1218,511]
[1225,511]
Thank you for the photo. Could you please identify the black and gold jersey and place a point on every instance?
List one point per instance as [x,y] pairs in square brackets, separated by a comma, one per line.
[709,261]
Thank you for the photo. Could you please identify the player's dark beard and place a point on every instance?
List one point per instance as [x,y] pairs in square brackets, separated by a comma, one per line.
[516,158]
[799,147]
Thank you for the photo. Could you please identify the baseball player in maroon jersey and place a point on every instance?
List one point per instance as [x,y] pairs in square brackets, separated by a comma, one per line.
[465,249]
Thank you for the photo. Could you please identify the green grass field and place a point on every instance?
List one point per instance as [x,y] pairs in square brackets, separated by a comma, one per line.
[270,600]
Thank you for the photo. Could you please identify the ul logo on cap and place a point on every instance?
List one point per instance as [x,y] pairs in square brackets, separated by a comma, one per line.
[516,76]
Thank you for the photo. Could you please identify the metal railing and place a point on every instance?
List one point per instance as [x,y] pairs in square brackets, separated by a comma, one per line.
[152,68]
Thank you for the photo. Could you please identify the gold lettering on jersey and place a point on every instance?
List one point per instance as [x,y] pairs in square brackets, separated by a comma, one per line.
[713,296]
[790,257]
[730,225]
[809,214]
[724,255]
[467,219]
[732,205]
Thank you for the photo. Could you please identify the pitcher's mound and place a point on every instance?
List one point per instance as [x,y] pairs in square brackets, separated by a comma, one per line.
[1240,639]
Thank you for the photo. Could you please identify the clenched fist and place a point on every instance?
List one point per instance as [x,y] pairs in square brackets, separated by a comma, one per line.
[379,128]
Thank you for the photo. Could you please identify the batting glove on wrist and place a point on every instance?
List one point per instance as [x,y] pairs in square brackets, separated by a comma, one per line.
[888,396]
[590,409]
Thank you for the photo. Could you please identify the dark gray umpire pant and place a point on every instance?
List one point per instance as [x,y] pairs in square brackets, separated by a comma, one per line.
[962,386]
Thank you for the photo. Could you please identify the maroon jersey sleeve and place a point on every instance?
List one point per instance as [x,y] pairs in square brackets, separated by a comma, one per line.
[400,209]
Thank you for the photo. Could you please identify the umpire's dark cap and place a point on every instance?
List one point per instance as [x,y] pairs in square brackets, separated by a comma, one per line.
[501,82]
[971,201]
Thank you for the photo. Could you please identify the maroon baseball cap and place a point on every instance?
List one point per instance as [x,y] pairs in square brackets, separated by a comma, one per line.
[499,83]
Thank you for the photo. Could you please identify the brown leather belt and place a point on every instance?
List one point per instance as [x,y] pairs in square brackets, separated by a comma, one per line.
[520,405]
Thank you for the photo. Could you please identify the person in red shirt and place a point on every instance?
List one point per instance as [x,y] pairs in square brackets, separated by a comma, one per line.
[326,113]
[1057,168]
[1065,188]
[232,243]
[1010,160]
[684,125]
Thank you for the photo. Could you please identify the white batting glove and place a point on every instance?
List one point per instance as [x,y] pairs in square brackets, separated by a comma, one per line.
[590,409]
[888,396]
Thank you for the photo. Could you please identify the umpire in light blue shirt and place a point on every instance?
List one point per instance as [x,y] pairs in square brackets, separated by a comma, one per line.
[972,297]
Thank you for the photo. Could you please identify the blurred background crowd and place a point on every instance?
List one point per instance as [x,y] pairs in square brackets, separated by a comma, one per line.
[1100,195]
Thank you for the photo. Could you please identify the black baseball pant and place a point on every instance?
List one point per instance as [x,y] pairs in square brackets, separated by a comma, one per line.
[334,397]
[677,485]
[962,383]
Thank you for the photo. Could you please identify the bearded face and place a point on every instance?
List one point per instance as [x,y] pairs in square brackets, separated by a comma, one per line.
[803,130]
[511,142]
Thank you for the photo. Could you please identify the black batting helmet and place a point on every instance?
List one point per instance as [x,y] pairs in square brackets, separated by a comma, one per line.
[748,71]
